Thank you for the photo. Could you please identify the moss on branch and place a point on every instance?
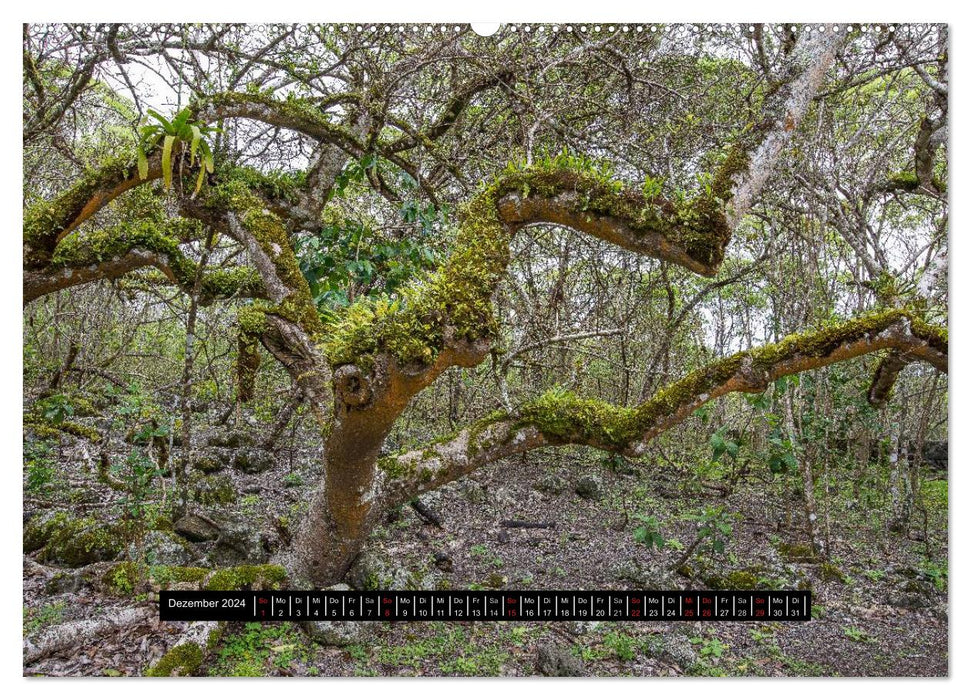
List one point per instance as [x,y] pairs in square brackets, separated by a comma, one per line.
[160,238]
[564,418]
[294,113]
[271,236]
[45,221]
[457,299]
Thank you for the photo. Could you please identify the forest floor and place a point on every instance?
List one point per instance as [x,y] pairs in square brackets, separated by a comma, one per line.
[879,600]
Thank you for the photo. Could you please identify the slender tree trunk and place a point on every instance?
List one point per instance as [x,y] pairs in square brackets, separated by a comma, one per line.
[901,498]
[181,469]
[806,474]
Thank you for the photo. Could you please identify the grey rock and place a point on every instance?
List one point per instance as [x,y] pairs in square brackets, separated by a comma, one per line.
[630,571]
[552,484]
[909,601]
[581,627]
[589,487]
[473,491]
[63,582]
[556,661]
[195,529]
[676,649]
[162,548]
[335,633]
[232,437]
[253,460]
[212,460]
[374,570]
[240,542]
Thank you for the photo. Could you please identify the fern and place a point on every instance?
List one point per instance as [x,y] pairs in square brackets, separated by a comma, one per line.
[179,131]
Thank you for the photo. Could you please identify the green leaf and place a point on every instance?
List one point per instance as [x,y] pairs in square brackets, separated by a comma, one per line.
[196,137]
[207,160]
[142,164]
[199,180]
[167,160]
[180,121]
[166,124]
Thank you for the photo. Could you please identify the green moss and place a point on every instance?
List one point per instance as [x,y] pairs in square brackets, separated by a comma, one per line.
[411,328]
[81,431]
[831,572]
[44,221]
[214,489]
[796,552]
[126,577]
[936,336]
[64,539]
[182,660]
[42,430]
[394,468]
[823,341]
[236,281]
[564,417]
[46,429]
[239,577]
[742,580]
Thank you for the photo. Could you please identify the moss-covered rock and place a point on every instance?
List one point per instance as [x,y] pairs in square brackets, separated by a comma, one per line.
[163,547]
[196,528]
[128,577]
[253,460]
[212,460]
[233,437]
[62,538]
[832,573]
[796,551]
[182,660]
[214,489]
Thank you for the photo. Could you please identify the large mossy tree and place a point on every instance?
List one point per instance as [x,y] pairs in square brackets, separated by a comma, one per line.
[366,114]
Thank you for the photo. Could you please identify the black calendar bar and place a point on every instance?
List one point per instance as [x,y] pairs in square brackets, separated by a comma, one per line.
[472,606]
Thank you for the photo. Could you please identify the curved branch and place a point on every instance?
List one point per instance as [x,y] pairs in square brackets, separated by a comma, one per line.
[114,252]
[47,223]
[562,418]
[302,116]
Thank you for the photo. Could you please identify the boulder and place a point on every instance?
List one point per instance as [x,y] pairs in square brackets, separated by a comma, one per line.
[240,542]
[231,437]
[554,660]
[164,548]
[674,648]
[551,484]
[253,460]
[589,487]
[70,541]
[374,570]
[195,529]
[214,489]
[212,460]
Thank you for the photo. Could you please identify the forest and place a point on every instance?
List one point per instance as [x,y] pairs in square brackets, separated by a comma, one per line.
[404,307]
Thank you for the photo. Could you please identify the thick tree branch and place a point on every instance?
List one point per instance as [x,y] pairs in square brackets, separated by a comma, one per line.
[114,252]
[557,418]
